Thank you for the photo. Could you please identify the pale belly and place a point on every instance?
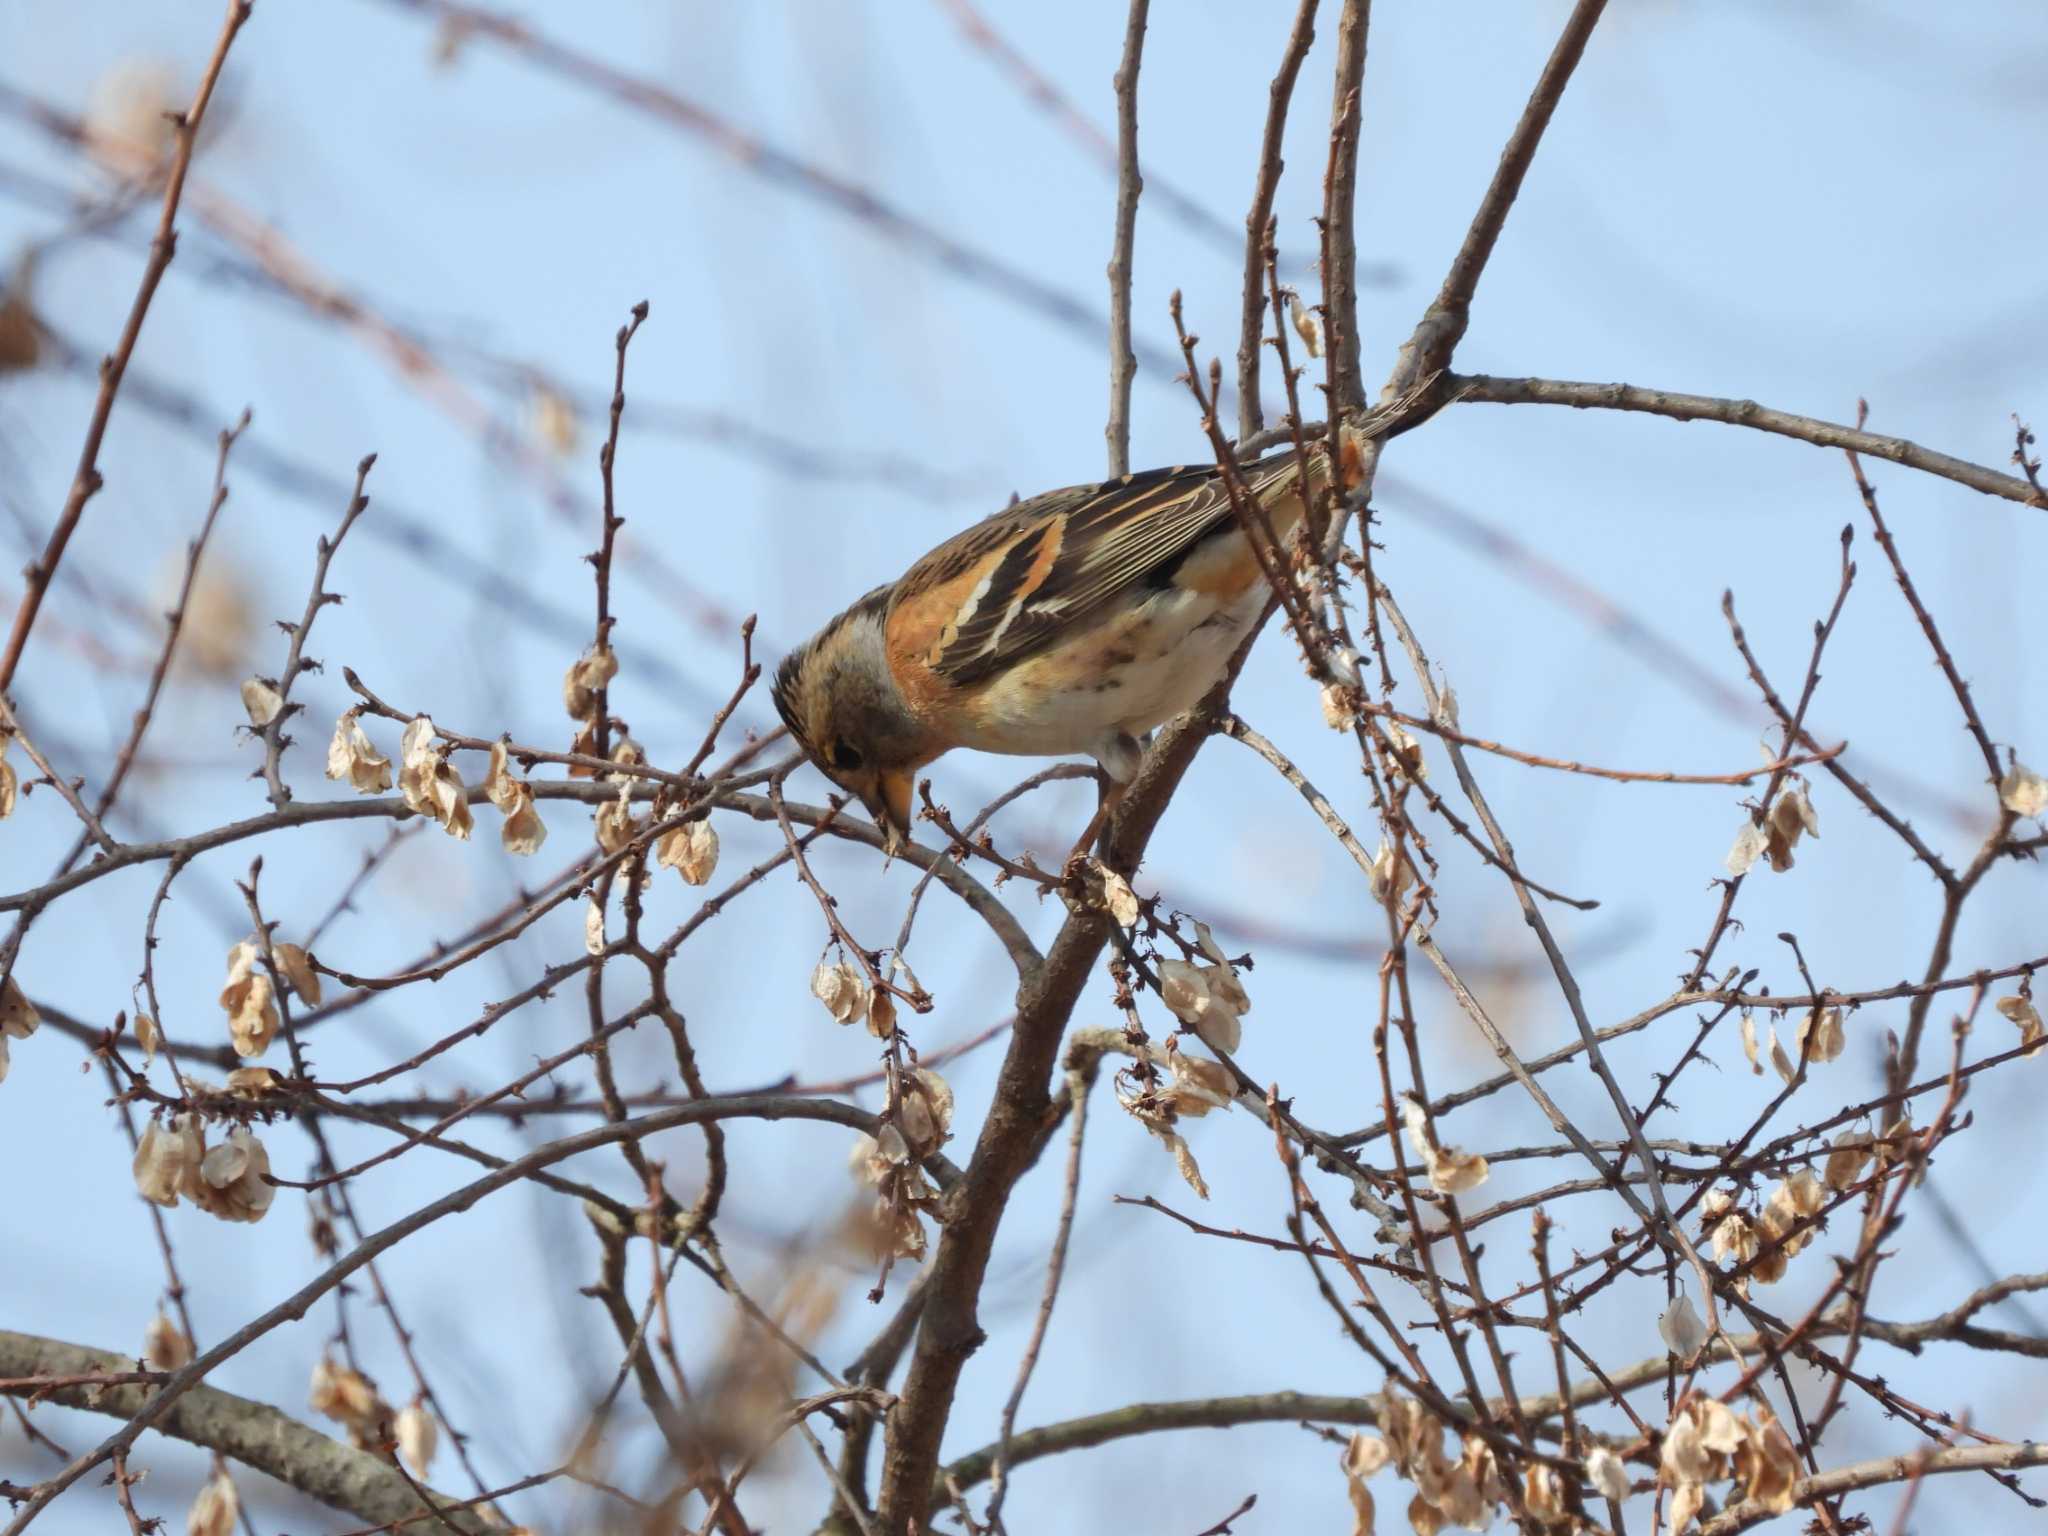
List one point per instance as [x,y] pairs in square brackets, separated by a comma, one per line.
[1121,678]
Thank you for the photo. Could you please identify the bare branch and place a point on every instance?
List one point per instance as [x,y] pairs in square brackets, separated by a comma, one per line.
[1055,1268]
[86,481]
[1481,389]
[1250,412]
[1442,326]
[259,1436]
[1123,365]
[1340,210]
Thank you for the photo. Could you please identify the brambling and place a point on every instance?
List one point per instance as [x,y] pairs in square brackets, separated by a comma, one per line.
[1073,622]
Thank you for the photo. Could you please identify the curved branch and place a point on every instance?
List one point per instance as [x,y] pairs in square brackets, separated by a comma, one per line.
[1285,1407]
[1484,389]
[1153,1418]
[977,896]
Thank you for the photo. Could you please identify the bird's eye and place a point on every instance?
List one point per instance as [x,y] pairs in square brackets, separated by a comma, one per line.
[846,759]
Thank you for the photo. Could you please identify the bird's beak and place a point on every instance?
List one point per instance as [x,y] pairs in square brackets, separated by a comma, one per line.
[890,807]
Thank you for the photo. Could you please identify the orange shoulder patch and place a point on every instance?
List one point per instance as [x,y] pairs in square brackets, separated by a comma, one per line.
[1351,454]
[919,629]
[1224,567]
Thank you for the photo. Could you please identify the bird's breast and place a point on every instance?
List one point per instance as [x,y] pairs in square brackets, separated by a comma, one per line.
[1132,671]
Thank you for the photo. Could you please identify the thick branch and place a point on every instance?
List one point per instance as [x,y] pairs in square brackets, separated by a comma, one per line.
[950,1330]
[254,1434]
[1020,1113]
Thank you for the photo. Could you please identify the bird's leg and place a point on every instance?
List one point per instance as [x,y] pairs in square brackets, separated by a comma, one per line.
[1109,793]
[1117,758]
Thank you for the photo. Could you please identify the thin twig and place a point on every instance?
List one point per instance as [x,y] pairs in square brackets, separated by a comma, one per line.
[1055,1269]
[1567,984]
[608,527]
[1483,389]
[1443,325]
[271,732]
[1250,413]
[1123,364]
[1340,211]
[10,725]
[1044,93]
[86,480]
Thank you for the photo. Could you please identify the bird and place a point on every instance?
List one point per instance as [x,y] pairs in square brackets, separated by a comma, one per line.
[1073,622]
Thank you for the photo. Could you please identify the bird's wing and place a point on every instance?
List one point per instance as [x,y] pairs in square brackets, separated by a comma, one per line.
[1008,587]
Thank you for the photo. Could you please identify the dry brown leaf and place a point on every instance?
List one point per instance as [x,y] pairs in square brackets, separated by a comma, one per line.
[18,1016]
[215,1510]
[2021,1011]
[1608,1474]
[691,850]
[231,1183]
[261,700]
[843,991]
[2023,791]
[593,670]
[352,758]
[1120,900]
[167,1159]
[297,968]
[165,1345]
[418,1437]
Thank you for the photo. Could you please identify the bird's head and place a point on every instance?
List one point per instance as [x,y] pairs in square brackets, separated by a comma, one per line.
[836,695]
